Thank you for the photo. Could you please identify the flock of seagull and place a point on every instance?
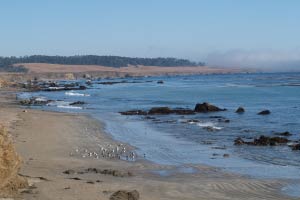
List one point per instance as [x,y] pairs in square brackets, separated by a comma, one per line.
[110,151]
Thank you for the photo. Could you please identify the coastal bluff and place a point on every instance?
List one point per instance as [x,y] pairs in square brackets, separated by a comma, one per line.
[10,162]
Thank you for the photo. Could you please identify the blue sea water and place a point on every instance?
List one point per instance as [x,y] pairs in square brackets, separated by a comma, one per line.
[169,140]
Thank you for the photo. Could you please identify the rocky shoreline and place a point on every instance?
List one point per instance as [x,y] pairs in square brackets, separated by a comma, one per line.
[54,170]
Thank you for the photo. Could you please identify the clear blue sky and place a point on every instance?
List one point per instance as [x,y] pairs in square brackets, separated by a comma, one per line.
[193,29]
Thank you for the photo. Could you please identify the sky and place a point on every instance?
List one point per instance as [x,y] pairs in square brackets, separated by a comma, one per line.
[259,33]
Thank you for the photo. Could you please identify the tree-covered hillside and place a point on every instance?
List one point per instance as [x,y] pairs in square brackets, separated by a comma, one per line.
[110,61]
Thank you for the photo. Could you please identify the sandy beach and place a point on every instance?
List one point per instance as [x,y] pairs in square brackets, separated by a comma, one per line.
[46,141]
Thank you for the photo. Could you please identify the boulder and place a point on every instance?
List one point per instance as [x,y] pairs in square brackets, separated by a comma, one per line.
[125,195]
[206,107]
[240,110]
[264,112]
[160,82]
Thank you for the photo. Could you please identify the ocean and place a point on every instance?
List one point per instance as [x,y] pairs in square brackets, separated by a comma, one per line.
[202,138]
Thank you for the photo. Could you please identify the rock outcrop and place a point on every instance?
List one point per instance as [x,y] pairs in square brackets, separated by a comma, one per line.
[160,111]
[35,101]
[134,112]
[199,108]
[262,141]
[206,107]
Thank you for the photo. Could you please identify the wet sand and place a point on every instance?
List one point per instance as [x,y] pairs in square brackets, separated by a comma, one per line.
[46,142]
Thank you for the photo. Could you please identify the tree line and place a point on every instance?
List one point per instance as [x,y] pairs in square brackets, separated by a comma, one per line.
[110,61]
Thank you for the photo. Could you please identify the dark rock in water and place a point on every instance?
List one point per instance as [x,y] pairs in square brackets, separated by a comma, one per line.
[263,141]
[134,112]
[296,147]
[167,111]
[210,128]
[160,111]
[183,111]
[112,82]
[264,112]
[53,89]
[82,87]
[239,141]
[226,155]
[35,101]
[240,110]
[206,107]
[148,117]
[125,195]
[88,82]
[192,121]
[216,117]
[284,133]
[224,120]
[70,85]
[53,84]
[77,103]
[160,82]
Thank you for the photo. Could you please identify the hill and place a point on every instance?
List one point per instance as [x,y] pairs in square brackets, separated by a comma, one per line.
[8,63]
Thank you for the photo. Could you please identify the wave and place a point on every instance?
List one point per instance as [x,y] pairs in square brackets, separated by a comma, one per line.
[236,85]
[69,107]
[40,99]
[63,104]
[71,93]
[209,125]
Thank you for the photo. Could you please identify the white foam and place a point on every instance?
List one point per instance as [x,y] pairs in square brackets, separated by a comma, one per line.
[40,99]
[209,124]
[69,107]
[71,93]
